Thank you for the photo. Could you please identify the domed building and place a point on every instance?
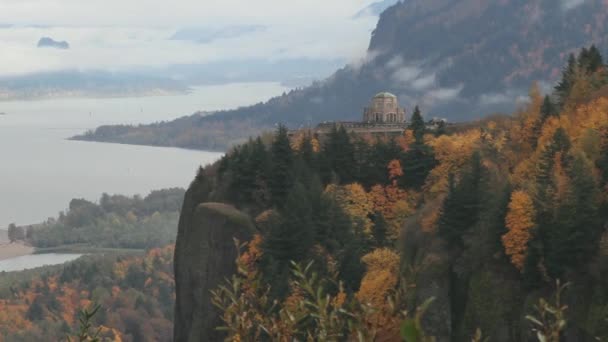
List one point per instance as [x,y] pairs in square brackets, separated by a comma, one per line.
[384,109]
[383,118]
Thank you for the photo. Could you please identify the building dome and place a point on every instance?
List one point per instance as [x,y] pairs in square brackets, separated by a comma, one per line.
[385,94]
[384,109]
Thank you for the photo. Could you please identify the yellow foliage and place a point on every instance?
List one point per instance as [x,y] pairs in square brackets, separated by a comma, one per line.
[520,222]
[353,199]
[452,152]
[393,203]
[380,278]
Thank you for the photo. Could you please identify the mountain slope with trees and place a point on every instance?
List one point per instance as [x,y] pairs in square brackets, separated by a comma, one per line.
[456,59]
[484,219]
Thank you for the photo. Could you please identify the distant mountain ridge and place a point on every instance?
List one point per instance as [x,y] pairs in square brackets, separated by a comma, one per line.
[457,59]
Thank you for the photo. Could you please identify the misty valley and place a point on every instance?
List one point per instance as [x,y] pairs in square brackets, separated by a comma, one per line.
[375,170]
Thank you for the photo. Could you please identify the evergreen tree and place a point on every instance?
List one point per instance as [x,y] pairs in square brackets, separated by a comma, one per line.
[417,125]
[260,164]
[571,238]
[417,163]
[340,152]
[307,153]
[281,180]
[602,162]
[380,230]
[461,207]
[289,237]
[567,82]
[547,109]
[590,60]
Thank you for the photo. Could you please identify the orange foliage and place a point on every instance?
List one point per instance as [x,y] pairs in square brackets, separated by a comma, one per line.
[392,202]
[353,199]
[380,278]
[73,295]
[452,153]
[520,222]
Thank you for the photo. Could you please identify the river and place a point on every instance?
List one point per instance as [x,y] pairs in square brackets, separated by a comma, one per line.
[41,171]
[26,262]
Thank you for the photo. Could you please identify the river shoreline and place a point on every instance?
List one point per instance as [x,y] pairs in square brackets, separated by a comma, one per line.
[14,249]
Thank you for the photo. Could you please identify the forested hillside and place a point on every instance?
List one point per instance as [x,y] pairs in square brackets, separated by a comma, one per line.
[455,235]
[115,222]
[457,59]
[135,294]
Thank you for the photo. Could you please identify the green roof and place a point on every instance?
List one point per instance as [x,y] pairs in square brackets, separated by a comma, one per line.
[385,94]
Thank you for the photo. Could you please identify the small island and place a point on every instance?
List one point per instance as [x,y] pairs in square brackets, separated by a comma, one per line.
[47,42]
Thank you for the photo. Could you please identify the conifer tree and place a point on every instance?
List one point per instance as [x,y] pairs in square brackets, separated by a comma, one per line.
[380,230]
[461,207]
[547,109]
[282,162]
[339,151]
[417,163]
[572,238]
[602,162]
[567,82]
[306,152]
[289,238]
[417,125]
[591,60]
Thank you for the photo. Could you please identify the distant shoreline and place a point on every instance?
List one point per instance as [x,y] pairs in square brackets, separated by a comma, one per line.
[76,95]
[14,249]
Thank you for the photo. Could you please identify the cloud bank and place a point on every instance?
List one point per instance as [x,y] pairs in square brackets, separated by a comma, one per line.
[120,35]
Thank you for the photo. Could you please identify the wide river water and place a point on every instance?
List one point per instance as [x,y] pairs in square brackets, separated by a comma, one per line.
[26,262]
[41,171]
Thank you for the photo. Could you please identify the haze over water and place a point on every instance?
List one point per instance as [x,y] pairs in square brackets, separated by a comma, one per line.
[41,171]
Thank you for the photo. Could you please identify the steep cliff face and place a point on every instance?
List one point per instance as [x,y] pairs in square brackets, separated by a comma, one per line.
[204,257]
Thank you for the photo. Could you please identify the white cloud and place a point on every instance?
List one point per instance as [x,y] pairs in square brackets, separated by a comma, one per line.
[115,35]
[442,95]
[424,82]
[570,4]
[406,75]
[495,99]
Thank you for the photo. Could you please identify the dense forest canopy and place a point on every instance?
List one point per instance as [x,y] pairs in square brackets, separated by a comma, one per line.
[484,218]
[453,234]
[135,294]
[115,222]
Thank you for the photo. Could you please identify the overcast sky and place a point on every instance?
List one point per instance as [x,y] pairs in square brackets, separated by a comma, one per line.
[121,34]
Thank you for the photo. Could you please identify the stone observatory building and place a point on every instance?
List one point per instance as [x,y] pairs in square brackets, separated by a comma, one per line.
[384,109]
[383,118]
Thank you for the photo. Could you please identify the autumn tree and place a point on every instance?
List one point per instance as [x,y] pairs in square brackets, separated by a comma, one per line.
[355,202]
[520,222]
[380,277]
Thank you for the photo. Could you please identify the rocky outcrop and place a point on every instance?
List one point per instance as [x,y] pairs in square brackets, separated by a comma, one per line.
[204,257]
